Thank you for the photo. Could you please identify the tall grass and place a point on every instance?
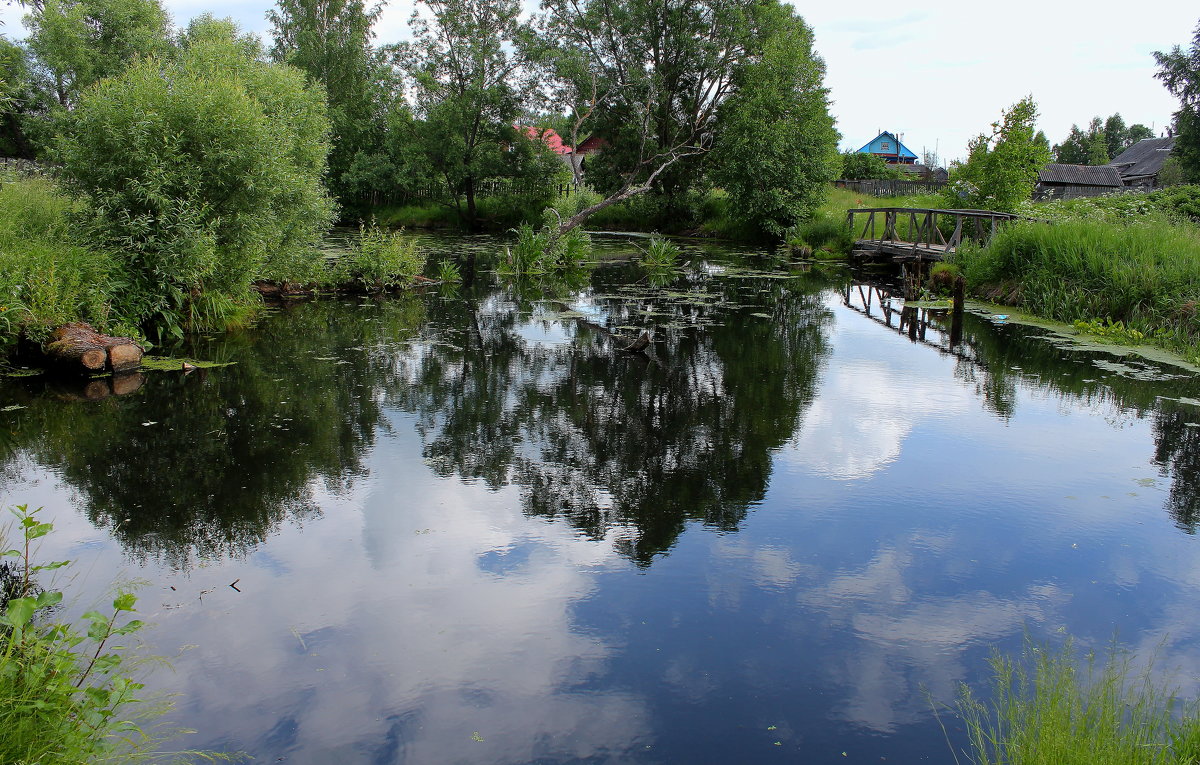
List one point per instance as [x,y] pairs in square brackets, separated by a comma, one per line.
[1046,709]
[47,277]
[1145,275]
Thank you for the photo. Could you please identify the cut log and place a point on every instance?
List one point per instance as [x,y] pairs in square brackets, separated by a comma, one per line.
[124,355]
[79,348]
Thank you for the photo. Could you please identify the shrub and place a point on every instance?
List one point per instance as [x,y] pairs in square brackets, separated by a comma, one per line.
[379,260]
[202,173]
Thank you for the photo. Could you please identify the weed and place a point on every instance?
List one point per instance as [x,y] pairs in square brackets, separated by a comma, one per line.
[660,255]
[67,694]
[1046,709]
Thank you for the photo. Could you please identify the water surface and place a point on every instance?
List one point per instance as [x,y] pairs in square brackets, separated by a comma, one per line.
[463,527]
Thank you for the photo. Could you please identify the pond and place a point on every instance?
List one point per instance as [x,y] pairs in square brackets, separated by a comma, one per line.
[463,527]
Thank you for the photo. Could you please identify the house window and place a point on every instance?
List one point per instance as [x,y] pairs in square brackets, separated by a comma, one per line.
[885,146]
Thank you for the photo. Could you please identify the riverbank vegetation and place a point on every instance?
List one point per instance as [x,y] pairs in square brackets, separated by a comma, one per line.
[67,691]
[1045,707]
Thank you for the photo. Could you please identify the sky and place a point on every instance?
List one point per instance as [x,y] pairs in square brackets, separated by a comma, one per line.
[936,71]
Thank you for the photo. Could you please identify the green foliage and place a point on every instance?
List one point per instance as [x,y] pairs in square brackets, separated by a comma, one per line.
[47,277]
[1175,204]
[1045,708]
[1145,275]
[202,173]
[80,42]
[861,165]
[379,260]
[660,255]
[66,691]
[330,41]
[448,272]
[537,253]
[1112,330]
[468,97]
[776,148]
[1103,140]
[652,79]
[1002,168]
[821,234]
[1179,70]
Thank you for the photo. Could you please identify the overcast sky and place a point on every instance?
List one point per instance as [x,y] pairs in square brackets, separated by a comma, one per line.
[939,71]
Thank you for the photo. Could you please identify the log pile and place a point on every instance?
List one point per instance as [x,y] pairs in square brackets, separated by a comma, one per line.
[79,348]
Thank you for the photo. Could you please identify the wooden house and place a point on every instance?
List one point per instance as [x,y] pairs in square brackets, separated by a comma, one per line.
[1140,164]
[888,147]
[1057,181]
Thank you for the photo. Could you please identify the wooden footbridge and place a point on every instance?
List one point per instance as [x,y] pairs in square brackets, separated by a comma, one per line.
[904,234]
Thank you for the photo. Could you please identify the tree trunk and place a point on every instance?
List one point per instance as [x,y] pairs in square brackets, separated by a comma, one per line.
[472,212]
[79,348]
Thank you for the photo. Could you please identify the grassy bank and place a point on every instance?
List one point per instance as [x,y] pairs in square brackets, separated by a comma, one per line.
[1048,708]
[51,272]
[47,276]
[1140,279]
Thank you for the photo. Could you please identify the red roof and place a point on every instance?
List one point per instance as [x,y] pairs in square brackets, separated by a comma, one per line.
[591,145]
[547,136]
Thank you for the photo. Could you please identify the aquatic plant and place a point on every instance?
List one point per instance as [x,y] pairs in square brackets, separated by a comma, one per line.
[660,255]
[379,260]
[67,692]
[533,254]
[448,271]
[1045,708]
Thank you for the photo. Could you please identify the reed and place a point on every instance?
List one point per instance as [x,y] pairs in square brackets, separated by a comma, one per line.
[1145,275]
[1048,708]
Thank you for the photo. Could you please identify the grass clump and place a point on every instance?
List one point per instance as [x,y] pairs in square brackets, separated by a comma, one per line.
[380,260]
[67,694]
[660,255]
[1047,710]
[47,275]
[1144,275]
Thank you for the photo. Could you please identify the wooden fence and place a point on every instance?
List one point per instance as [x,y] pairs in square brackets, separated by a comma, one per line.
[891,188]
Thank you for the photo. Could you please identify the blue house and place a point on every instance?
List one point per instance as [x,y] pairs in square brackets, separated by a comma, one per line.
[887,147]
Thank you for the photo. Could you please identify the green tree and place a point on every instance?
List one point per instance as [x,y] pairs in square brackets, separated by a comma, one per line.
[1002,168]
[330,40]
[1138,132]
[1073,150]
[1116,135]
[203,172]
[80,42]
[468,96]
[19,101]
[860,165]
[660,73]
[775,148]
[1179,70]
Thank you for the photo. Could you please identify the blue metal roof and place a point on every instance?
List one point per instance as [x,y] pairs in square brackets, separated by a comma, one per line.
[903,151]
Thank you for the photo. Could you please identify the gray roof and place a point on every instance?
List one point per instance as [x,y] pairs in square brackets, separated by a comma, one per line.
[1081,175]
[1145,157]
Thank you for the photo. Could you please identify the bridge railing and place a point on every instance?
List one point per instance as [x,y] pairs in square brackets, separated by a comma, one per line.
[925,226]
